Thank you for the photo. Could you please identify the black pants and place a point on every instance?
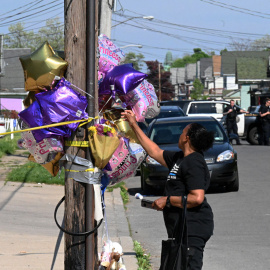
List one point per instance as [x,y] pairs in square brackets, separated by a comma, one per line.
[265,133]
[195,253]
[232,128]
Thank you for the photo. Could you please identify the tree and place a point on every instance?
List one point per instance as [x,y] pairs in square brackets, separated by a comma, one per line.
[261,43]
[19,38]
[135,59]
[251,45]
[188,59]
[53,32]
[197,91]
[167,89]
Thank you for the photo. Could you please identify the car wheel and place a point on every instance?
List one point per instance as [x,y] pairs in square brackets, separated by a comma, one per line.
[144,186]
[234,186]
[253,136]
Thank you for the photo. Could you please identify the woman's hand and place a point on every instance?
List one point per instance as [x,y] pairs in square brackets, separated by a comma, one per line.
[159,204]
[129,116]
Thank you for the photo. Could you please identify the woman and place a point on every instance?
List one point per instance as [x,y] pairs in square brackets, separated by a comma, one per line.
[188,175]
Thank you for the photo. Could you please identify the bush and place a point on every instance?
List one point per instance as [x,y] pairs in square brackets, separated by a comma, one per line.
[8,146]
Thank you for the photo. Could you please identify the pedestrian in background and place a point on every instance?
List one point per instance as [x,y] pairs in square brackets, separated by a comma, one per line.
[231,112]
[189,176]
[264,112]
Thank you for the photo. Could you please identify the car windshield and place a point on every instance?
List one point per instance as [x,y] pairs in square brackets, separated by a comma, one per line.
[169,133]
[167,114]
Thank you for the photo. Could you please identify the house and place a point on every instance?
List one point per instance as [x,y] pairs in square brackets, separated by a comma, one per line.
[253,76]
[12,90]
[218,80]
[178,81]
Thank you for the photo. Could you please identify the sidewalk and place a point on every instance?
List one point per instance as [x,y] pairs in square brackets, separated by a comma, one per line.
[29,237]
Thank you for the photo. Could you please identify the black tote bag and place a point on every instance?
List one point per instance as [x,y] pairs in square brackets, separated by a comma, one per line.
[174,251]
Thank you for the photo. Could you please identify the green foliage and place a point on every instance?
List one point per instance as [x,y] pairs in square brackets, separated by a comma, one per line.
[53,32]
[8,146]
[135,59]
[123,191]
[19,37]
[197,91]
[32,172]
[224,50]
[143,259]
[189,59]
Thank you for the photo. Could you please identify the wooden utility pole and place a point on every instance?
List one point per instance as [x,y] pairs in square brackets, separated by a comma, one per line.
[159,81]
[79,250]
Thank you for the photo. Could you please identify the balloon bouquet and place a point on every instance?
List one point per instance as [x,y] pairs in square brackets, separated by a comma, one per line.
[52,99]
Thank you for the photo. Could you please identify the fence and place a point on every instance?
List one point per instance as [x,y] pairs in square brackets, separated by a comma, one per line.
[12,124]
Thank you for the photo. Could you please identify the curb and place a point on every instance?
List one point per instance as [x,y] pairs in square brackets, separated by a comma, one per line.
[129,256]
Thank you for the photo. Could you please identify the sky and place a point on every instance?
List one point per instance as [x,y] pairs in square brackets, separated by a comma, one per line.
[178,26]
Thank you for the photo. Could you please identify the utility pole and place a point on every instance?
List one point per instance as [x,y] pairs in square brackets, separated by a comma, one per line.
[159,81]
[106,17]
[80,20]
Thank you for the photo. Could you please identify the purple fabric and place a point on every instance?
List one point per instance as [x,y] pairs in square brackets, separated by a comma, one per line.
[62,104]
[123,78]
[33,118]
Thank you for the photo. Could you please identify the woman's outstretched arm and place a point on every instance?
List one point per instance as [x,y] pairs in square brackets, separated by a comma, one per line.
[149,146]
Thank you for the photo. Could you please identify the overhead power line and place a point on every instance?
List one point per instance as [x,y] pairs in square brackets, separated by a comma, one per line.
[33,15]
[238,9]
[24,5]
[29,9]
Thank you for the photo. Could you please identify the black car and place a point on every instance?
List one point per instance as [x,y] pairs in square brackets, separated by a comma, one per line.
[165,112]
[221,159]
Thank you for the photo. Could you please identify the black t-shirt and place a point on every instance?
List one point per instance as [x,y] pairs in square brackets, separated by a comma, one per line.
[263,109]
[232,115]
[188,173]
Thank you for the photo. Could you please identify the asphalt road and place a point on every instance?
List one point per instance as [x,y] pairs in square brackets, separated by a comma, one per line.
[241,237]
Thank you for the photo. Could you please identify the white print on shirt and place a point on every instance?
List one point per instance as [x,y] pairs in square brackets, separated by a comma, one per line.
[173,172]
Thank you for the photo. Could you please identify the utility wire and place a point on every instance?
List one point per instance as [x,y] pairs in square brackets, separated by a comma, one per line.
[29,9]
[237,9]
[25,5]
[199,29]
[41,11]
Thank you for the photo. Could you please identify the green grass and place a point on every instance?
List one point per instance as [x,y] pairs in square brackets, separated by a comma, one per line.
[123,191]
[34,173]
[8,146]
[143,259]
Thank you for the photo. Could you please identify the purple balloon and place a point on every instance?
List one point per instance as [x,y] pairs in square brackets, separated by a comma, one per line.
[62,104]
[33,118]
[121,80]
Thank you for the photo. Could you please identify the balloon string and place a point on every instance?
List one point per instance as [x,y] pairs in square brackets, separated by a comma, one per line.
[81,90]
[104,105]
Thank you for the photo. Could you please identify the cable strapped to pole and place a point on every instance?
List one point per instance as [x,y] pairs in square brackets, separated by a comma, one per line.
[71,233]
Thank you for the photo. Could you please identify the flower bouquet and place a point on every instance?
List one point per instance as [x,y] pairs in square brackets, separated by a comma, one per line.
[103,143]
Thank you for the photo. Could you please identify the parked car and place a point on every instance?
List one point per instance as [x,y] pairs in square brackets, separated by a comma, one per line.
[2,126]
[180,103]
[165,111]
[221,159]
[248,124]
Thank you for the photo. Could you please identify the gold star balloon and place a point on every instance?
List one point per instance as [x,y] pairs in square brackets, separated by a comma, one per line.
[41,67]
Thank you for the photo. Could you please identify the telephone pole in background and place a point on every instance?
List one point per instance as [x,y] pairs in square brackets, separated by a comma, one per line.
[106,8]
[159,82]
[80,53]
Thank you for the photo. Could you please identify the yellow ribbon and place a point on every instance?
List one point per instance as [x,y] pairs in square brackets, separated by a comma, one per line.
[87,170]
[52,125]
[77,143]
